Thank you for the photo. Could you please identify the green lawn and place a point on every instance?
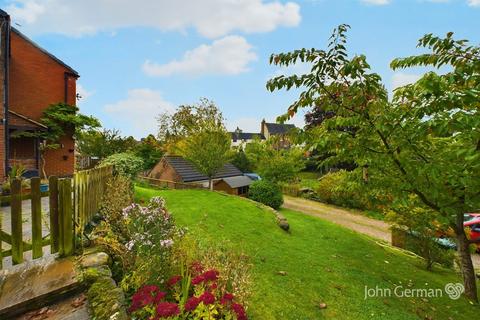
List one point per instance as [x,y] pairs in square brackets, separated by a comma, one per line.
[324,263]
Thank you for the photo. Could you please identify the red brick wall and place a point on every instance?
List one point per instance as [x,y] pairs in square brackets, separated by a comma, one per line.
[37,81]
[163,171]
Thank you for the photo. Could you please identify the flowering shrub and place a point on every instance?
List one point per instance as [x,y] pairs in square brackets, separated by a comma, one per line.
[195,295]
[151,230]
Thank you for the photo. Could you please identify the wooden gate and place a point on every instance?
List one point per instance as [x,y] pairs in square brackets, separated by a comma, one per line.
[72,204]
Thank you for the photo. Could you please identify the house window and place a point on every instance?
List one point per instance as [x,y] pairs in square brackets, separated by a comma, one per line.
[243,190]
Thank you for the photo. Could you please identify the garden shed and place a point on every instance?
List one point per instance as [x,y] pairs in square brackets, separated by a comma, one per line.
[234,185]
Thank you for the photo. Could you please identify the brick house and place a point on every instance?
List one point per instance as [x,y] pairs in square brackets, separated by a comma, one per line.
[268,130]
[31,79]
[175,168]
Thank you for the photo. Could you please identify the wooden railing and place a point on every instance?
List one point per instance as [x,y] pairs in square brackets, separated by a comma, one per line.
[72,204]
[88,188]
[293,190]
[169,184]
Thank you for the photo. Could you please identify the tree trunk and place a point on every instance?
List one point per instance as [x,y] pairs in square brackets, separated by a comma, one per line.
[210,184]
[42,160]
[466,264]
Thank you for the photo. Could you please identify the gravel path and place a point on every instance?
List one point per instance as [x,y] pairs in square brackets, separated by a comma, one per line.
[348,219]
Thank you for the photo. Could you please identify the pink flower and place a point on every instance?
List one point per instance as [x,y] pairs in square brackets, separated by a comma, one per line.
[210,275]
[227,298]
[239,311]
[159,297]
[198,279]
[167,309]
[197,267]
[207,298]
[192,303]
[173,280]
[143,297]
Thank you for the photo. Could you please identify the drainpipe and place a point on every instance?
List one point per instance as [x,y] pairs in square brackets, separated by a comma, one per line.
[6,89]
[65,83]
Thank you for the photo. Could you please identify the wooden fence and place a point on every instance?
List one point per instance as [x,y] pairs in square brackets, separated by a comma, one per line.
[88,189]
[169,184]
[72,203]
[293,190]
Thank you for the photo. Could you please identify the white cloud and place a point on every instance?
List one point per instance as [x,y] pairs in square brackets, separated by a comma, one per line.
[473,3]
[137,114]
[400,79]
[211,18]
[376,2]
[83,93]
[229,55]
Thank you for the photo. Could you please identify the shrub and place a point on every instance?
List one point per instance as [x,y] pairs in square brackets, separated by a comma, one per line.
[422,228]
[151,231]
[347,189]
[267,193]
[118,195]
[125,164]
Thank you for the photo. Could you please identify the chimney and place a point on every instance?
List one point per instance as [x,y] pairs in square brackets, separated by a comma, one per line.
[262,128]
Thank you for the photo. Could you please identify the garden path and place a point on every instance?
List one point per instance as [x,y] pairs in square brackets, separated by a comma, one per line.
[349,219]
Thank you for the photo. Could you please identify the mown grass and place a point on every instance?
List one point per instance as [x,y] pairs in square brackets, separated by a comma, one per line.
[324,263]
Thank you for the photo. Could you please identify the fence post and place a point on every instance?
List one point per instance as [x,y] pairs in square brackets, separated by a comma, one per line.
[65,216]
[16,219]
[68,218]
[54,221]
[36,202]
[1,251]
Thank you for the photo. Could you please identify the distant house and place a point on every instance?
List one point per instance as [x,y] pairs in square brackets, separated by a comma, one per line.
[175,168]
[267,130]
[275,129]
[31,80]
[240,138]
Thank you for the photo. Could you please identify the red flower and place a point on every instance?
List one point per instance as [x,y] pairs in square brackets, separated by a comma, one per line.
[207,298]
[239,311]
[167,309]
[197,267]
[159,297]
[213,286]
[173,280]
[192,303]
[198,279]
[143,297]
[211,275]
[227,297]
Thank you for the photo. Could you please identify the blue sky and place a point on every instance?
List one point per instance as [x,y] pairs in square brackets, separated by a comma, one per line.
[139,58]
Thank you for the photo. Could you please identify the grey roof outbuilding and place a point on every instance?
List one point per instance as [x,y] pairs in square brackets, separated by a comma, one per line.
[188,173]
[238,181]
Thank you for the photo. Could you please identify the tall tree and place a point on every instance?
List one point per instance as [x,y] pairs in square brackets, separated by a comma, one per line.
[197,133]
[208,149]
[102,143]
[424,142]
[187,119]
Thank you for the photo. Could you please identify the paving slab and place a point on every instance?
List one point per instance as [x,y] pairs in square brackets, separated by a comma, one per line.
[72,308]
[36,283]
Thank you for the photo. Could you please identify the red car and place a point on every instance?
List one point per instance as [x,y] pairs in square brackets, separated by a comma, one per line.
[474,226]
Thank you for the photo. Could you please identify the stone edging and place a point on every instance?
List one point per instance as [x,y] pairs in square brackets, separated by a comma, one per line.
[106,300]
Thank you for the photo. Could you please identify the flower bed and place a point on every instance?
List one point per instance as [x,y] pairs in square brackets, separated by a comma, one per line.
[166,272]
